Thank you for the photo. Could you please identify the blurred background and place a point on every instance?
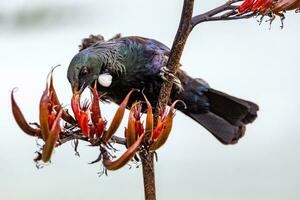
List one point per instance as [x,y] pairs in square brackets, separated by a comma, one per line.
[238,57]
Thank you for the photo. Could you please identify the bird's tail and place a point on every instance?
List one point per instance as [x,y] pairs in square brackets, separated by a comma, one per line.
[223,115]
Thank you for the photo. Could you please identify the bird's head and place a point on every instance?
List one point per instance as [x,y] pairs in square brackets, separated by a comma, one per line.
[83,70]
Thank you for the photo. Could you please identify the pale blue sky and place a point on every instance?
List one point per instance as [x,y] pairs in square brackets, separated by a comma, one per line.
[237,57]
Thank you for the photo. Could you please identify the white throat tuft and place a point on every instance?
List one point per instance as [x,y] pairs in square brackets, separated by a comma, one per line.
[105,79]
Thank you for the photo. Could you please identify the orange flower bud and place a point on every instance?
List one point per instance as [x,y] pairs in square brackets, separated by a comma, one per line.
[149,118]
[124,159]
[52,138]
[20,119]
[117,119]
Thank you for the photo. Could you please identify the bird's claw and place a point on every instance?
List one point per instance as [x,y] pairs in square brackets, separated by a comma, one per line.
[167,72]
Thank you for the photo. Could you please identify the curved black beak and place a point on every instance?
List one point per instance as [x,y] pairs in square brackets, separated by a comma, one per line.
[77,88]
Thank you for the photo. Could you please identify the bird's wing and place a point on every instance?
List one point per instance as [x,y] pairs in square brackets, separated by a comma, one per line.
[152,44]
[147,56]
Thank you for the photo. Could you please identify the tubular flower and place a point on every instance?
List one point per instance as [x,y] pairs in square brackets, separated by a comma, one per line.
[89,118]
[274,6]
[89,125]
[81,114]
[50,113]
[284,5]
[163,128]
[255,5]
[135,133]
[271,8]
[135,127]
[158,135]
[246,5]
[93,126]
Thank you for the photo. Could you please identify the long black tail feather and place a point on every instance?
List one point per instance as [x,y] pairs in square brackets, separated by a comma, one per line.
[232,109]
[220,128]
[223,115]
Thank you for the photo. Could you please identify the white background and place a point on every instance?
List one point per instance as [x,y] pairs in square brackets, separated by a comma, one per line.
[238,57]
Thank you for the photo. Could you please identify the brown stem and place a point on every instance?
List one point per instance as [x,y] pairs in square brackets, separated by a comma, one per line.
[225,12]
[182,34]
[148,175]
[172,65]
[79,136]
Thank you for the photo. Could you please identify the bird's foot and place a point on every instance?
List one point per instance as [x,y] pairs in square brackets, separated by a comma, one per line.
[167,72]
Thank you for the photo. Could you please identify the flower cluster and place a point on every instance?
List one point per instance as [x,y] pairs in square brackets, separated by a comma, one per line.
[89,125]
[50,114]
[269,6]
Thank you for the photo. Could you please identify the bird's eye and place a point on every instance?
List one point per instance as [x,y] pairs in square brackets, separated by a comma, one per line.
[84,71]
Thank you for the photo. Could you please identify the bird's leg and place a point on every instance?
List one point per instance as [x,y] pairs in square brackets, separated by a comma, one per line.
[164,71]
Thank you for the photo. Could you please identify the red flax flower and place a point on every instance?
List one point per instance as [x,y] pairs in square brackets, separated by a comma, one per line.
[270,8]
[89,125]
[135,132]
[158,134]
[93,126]
[255,5]
[284,5]
[50,113]
[89,118]
[273,6]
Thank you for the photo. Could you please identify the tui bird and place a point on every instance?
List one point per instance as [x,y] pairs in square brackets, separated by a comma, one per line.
[123,63]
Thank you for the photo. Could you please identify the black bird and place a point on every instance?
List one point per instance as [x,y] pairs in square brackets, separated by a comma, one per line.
[123,63]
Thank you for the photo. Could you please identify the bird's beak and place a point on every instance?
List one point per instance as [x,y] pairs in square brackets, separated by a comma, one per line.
[78,89]
[75,88]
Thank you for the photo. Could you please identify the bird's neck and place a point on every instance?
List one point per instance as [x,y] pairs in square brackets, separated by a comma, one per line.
[109,53]
[120,56]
